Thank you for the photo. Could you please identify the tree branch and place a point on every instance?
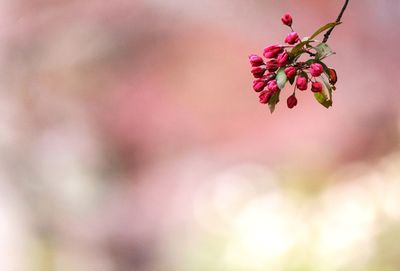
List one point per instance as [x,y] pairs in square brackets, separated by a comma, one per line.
[326,36]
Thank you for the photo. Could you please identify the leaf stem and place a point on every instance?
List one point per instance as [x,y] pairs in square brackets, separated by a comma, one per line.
[326,36]
[310,53]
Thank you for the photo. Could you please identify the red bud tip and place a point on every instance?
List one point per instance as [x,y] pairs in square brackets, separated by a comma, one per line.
[316,69]
[316,87]
[291,101]
[287,19]
[301,83]
[292,38]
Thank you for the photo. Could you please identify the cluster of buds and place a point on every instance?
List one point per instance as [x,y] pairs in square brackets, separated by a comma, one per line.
[286,63]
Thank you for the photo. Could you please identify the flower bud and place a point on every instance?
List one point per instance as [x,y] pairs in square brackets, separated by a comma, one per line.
[282,59]
[316,87]
[258,72]
[290,72]
[291,101]
[269,76]
[287,19]
[272,65]
[332,76]
[292,38]
[259,85]
[301,83]
[264,96]
[272,51]
[256,60]
[316,69]
[272,86]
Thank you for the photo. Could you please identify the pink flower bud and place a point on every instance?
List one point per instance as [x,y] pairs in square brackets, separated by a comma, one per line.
[258,72]
[264,96]
[301,83]
[256,60]
[316,87]
[291,101]
[290,72]
[282,59]
[316,69]
[287,19]
[292,38]
[272,65]
[272,51]
[268,75]
[259,85]
[272,86]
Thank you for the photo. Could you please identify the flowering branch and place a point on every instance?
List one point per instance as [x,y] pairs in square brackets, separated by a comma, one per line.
[326,36]
[289,64]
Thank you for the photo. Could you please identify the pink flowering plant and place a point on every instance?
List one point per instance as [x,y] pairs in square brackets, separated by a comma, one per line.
[299,62]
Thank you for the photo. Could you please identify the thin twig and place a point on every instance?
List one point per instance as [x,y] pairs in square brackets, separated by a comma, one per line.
[326,36]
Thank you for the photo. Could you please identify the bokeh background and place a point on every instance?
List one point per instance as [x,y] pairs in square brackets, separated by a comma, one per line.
[131,139]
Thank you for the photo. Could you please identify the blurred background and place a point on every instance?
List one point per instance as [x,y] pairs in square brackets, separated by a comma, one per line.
[131,139]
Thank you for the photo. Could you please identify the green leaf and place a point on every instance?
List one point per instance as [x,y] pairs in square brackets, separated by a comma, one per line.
[310,61]
[323,28]
[327,104]
[323,50]
[281,77]
[297,49]
[292,58]
[328,87]
[322,99]
[273,101]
